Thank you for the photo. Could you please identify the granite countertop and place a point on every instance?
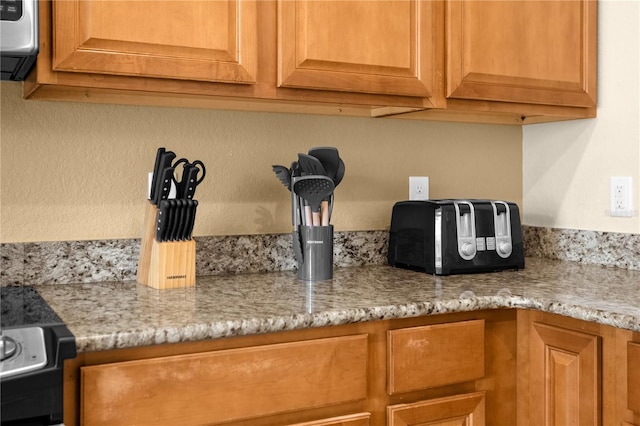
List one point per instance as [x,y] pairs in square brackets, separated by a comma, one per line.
[113,315]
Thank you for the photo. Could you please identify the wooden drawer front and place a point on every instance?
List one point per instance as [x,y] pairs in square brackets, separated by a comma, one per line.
[361,419]
[435,355]
[458,410]
[633,376]
[226,385]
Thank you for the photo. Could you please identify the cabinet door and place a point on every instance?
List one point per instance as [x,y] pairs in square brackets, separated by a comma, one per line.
[382,47]
[565,377]
[531,51]
[191,40]
[458,410]
[633,377]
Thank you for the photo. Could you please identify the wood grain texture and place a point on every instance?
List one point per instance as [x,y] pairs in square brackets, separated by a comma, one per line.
[361,419]
[198,40]
[385,47]
[458,410]
[523,51]
[565,371]
[633,376]
[435,355]
[226,385]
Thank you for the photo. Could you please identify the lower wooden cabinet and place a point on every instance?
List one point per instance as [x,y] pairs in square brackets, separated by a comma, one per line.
[565,376]
[457,410]
[452,366]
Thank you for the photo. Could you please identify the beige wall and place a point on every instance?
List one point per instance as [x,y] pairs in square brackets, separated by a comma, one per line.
[567,165]
[73,171]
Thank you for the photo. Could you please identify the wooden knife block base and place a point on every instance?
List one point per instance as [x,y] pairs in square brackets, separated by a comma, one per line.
[170,264]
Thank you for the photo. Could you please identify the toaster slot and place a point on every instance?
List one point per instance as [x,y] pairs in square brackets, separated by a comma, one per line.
[502,226]
[465,229]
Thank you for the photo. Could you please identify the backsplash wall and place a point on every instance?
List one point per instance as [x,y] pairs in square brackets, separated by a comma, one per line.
[74,172]
[116,260]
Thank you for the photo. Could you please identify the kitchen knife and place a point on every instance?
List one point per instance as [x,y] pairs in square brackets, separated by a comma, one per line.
[156,172]
[164,185]
[163,220]
[178,234]
[165,162]
[173,219]
[192,218]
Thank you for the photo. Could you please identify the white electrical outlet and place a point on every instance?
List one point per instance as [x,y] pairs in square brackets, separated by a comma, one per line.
[621,196]
[418,187]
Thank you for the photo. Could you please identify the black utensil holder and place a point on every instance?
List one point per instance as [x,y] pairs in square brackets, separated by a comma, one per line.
[314,252]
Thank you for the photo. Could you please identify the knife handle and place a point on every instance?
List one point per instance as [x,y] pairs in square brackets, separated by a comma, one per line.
[156,172]
[189,182]
[192,219]
[164,185]
[162,221]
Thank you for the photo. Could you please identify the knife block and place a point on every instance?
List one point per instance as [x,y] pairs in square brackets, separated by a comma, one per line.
[163,265]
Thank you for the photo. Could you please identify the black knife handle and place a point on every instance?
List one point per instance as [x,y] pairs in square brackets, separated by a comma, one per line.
[162,221]
[156,172]
[164,185]
[189,182]
[165,162]
[192,219]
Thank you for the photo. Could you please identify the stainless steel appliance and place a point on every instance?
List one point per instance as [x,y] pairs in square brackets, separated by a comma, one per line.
[19,41]
[34,343]
[456,236]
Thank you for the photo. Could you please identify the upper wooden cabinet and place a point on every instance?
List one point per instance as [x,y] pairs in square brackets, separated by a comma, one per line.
[383,47]
[194,40]
[510,62]
[540,52]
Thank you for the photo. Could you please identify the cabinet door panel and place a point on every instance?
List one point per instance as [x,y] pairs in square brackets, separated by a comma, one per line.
[565,377]
[523,51]
[458,410]
[383,47]
[227,385]
[195,40]
[633,379]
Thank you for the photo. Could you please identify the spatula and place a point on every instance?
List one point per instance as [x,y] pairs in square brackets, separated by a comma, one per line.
[314,189]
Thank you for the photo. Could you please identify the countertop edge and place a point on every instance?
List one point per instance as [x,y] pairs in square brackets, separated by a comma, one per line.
[253,326]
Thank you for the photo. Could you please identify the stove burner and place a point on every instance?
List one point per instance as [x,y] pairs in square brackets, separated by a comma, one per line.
[8,347]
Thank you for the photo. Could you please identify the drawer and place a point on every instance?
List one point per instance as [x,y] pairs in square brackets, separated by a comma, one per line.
[633,376]
[226,385]
[435,355]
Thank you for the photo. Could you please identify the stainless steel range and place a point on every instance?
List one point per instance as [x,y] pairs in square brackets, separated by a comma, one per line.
[34,343]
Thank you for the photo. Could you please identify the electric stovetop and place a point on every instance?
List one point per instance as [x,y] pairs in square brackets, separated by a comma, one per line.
[23,307]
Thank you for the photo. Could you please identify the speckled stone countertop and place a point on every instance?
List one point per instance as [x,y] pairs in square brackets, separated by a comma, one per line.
[112,315]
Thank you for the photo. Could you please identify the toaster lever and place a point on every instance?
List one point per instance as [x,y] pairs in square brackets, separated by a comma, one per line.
[465,229]
[502,227]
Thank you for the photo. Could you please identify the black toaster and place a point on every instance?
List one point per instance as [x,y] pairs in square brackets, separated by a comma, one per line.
[446,237]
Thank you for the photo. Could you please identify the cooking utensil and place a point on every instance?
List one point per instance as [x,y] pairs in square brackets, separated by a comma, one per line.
[310,165]
[314,189]
[329,158]
[283,174]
